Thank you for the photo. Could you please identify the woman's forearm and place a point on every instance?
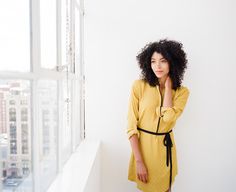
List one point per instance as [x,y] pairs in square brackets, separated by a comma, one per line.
[167,98]
[134,141]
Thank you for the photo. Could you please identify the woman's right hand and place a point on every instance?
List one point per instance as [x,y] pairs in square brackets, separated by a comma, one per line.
[141,171]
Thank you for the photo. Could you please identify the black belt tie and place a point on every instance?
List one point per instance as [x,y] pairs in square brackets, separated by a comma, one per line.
[168,143]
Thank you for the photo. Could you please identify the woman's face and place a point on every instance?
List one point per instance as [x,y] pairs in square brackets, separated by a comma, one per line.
[160,65]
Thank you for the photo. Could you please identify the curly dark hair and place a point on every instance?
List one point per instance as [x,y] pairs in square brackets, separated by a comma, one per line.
[173,52]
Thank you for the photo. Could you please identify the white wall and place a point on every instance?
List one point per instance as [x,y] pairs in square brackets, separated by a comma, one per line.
[205,135]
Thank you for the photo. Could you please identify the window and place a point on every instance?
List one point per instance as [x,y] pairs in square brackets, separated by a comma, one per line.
[12,114]
[24,114]
[48,34]
[15,135]
[14,38]
[40,85]
[23,102]
[48,131]
[24,138]
[12,102]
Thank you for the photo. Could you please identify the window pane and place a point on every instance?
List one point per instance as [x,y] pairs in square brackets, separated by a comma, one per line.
[76,110]
[48,125]
[15,36]
[66,35]
[48,33]
[77,40]
[66,140]
[15,136]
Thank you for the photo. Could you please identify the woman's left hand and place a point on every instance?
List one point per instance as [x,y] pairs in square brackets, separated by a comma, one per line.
[168,82]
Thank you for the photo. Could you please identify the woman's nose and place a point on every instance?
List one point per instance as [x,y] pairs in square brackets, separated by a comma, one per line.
[158,65]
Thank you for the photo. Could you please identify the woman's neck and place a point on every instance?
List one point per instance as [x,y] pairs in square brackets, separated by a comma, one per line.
[162,81]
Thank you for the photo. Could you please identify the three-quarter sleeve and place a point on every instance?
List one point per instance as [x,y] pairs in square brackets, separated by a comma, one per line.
[170,114]
[133,109]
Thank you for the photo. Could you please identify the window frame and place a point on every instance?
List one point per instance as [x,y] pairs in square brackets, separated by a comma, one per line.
[37,73]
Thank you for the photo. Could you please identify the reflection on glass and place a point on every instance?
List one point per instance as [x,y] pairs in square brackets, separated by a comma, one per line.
[15,136]
[48,125]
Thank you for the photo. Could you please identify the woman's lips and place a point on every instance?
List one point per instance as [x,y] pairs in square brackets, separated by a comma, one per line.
[159,71]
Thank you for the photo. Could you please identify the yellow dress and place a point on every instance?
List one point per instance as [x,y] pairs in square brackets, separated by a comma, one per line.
[145,111]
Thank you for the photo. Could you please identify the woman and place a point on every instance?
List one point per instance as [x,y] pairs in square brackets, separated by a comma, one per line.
[157,100]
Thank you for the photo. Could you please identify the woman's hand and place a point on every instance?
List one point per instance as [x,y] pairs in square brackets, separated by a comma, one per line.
[141,172]
[168,83]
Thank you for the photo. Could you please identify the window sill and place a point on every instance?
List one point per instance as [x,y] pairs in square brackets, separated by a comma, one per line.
[79,169]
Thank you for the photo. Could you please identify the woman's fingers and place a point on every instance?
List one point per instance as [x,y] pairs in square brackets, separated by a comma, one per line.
[143,177]
[142,172]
